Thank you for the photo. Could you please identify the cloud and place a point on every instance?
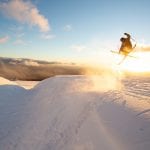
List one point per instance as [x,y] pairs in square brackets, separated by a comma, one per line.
[19,35]
[20,42]
[67,27]
[145,48]
[48,36]
[78,48]
[4,39]
[30,63]
[15,28]
[25,12]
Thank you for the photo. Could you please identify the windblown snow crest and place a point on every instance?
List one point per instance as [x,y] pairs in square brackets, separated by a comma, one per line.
[73,113]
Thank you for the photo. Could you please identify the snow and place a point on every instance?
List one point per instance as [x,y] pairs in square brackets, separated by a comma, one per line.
[5,81]
[27,84]
[76,113]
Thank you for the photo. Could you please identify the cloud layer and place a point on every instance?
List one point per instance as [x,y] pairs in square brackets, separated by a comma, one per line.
[25,12]
[145,48]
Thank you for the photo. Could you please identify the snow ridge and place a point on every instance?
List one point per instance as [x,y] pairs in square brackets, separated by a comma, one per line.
[65,113]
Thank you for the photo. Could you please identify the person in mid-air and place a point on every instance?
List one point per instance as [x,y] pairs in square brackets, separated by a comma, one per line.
[126,45]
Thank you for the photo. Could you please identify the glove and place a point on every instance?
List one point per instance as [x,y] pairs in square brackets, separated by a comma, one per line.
[126,34]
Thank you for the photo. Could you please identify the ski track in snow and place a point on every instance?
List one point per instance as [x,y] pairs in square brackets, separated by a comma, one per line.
[138,87]
[58,114]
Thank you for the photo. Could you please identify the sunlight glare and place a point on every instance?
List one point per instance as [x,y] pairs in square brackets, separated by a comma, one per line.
[139,64]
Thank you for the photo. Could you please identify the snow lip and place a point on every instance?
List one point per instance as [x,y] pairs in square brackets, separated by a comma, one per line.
[4,81]
[56,114]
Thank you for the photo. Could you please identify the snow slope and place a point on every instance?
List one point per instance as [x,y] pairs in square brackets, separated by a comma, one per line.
[76,113]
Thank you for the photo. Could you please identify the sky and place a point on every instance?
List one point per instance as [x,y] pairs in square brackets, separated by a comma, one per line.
[70,30]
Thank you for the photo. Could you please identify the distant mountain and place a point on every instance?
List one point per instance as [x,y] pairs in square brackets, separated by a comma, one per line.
[29,69]
[25,61]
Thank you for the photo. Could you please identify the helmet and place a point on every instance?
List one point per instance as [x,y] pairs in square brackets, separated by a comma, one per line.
[122,39]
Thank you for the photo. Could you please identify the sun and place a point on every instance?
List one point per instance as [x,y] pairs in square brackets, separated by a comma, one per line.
[139,64]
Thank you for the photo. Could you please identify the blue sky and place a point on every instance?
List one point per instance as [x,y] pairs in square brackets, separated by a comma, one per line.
[71,30]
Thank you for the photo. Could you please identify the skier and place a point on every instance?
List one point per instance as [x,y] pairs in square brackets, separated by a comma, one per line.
[126,46]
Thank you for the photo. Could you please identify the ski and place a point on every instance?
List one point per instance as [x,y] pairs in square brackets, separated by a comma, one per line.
[122,54]
[122,60]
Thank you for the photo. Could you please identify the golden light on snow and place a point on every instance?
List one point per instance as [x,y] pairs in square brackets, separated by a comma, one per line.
[139,64]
